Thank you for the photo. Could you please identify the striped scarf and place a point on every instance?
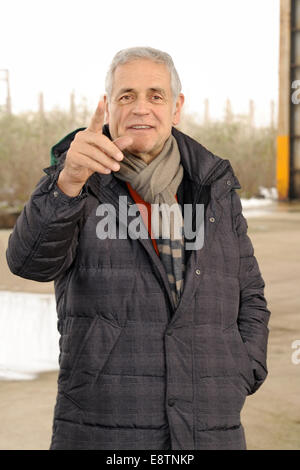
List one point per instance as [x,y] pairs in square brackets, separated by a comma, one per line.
[157,183]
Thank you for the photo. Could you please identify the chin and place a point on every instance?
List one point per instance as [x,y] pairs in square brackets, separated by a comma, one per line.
[138,149]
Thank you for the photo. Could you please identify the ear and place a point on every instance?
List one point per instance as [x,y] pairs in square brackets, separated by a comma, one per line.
[179,104]
[106,118]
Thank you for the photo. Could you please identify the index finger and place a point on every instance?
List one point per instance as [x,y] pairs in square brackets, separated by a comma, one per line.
[97,120]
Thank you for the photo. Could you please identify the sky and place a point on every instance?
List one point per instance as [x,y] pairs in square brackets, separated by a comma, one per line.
[221,49]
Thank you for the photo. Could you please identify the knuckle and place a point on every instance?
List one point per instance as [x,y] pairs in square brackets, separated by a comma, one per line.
[79,135]
[70,154]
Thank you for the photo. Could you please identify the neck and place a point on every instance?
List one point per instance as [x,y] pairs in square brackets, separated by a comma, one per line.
[146,157]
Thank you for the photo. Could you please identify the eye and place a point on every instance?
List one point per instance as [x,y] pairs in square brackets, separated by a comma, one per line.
[125,98]
[156,98]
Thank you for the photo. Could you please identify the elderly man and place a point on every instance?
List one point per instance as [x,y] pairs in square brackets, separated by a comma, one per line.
[161,339]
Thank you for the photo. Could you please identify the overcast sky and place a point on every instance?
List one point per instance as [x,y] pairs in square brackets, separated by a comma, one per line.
[221,49]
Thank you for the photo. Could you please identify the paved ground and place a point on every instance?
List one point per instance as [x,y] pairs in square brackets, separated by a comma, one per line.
[271,417]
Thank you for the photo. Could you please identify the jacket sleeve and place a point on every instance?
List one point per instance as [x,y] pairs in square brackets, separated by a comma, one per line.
[253,315]
[44,239]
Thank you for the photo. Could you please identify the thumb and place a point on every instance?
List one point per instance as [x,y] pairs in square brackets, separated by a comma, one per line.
[123,142]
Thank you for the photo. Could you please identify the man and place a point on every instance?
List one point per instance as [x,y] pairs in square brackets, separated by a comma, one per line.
[160,344]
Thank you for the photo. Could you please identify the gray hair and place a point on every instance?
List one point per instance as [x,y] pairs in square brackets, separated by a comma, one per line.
[133,53]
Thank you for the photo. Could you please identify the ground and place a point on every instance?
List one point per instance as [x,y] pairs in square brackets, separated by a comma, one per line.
[271,417]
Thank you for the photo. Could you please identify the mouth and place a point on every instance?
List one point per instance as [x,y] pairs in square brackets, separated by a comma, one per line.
[140,127]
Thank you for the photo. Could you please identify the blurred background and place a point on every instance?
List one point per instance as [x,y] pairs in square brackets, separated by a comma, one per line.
[239,63]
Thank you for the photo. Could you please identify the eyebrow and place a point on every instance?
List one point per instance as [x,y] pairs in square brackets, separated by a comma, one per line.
[159,90]
[130,90]
[125,90]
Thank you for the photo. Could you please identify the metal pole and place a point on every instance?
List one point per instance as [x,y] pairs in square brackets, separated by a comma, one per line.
[283,138]
[294,190]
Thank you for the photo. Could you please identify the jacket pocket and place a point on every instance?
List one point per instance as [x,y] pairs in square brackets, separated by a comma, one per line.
[239,354]
[90,347]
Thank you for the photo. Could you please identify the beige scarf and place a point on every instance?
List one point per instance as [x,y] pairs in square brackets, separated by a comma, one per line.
[157,183]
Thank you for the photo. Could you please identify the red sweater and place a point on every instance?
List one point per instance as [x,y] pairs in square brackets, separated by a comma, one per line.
[141,205]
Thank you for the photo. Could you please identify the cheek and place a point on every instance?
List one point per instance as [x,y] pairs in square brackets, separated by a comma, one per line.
[166,119]
[120,118]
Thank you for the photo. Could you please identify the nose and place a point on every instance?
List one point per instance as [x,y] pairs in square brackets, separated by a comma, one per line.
[141,107]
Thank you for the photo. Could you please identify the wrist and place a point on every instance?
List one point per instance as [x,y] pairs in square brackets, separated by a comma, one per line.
[68,187]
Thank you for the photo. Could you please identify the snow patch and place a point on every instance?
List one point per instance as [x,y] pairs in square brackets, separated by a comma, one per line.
[29,339]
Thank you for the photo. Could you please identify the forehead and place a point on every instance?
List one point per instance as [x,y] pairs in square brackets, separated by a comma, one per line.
[142,74]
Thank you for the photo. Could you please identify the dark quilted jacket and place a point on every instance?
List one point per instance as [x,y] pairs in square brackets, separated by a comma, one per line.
[136,373]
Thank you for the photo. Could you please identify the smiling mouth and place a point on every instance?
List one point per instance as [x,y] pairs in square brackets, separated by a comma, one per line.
[141,127]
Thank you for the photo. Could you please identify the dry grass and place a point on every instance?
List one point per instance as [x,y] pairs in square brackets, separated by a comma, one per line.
[26,140]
